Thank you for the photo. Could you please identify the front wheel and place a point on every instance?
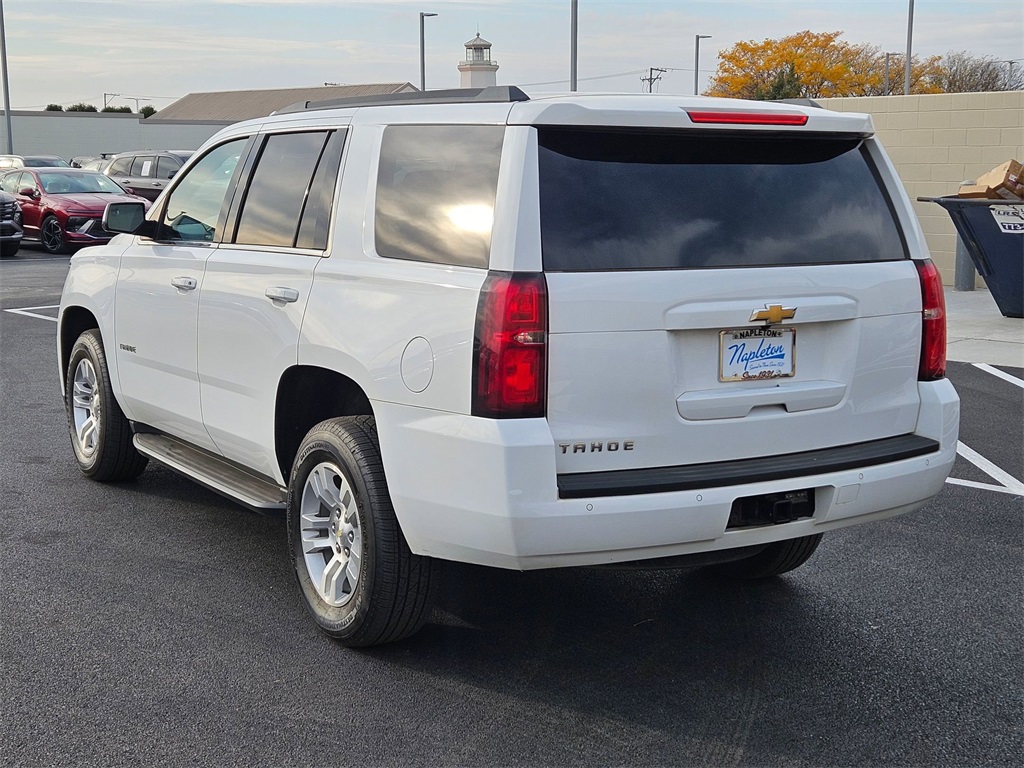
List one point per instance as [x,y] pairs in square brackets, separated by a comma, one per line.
[360,582]
[9,250]
[52,235]
[774,560]
[100,433]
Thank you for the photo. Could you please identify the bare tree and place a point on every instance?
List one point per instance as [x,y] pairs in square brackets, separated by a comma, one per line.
[962,72]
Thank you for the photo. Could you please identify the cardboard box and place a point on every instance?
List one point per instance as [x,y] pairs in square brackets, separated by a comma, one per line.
[1004,182]
[975,191]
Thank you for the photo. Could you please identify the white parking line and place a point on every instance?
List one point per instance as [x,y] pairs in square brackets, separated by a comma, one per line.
[1001,374]
[26,311]
[1007,482]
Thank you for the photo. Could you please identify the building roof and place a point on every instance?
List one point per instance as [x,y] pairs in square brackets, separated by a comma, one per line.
[245,105]
[478,42]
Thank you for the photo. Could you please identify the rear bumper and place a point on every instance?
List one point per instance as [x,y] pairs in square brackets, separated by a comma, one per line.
[486,492]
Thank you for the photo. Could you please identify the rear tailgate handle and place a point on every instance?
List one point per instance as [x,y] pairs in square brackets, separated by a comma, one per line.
[184,283]
[287,295]
[703,405]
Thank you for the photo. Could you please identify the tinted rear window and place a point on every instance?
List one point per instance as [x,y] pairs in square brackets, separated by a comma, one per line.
[435,192]
[615,200]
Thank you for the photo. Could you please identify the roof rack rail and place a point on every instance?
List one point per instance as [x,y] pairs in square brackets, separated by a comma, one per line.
[490,94]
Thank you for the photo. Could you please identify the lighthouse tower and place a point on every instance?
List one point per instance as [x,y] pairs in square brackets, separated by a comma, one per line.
[478,71]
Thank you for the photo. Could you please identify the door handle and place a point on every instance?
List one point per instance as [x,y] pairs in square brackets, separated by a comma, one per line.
[184,283]
[286,295]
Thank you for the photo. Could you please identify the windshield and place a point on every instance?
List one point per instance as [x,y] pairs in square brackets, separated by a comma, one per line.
[77,183]
[46,162]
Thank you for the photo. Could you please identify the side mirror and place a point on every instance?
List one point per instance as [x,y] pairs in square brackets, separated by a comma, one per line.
[125,218]
[28,192]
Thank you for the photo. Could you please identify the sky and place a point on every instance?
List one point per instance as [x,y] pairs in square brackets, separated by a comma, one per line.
[155,51]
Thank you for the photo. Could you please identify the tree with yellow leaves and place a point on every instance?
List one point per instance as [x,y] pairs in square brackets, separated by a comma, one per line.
[813,65]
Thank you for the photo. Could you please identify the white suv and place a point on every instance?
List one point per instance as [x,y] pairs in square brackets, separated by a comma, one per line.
[523,333]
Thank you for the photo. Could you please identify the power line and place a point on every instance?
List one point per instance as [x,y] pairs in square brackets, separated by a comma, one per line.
[595,77]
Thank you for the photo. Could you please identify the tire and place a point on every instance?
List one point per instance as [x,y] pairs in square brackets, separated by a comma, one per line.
[9,250]
[774,560]
[100,433]
[51,235]
[359,580]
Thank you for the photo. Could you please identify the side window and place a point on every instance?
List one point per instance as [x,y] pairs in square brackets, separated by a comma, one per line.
[316,217]
[143,165]
[120,167]
[193,207]
[10,183]
[274,201]
[166,167]
[28,181]
[436,186]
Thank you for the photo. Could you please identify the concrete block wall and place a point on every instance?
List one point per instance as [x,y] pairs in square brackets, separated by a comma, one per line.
[937,141]
[69,134]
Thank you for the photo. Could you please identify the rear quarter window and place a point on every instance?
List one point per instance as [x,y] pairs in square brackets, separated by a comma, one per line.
[436,186]
[623,200]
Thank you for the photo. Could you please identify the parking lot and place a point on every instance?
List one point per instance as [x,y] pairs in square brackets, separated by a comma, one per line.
[155,622]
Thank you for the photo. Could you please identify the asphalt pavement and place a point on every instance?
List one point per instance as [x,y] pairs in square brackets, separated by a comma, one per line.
[155,623]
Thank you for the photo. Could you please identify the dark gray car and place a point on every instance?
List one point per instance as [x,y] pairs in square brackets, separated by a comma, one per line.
[146,172]
[10,225]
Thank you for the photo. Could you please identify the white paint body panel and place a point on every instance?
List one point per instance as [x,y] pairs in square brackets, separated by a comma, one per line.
[246,342]
[158,373]
[632,356]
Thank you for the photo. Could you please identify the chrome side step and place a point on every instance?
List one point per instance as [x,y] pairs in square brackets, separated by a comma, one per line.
[212,471]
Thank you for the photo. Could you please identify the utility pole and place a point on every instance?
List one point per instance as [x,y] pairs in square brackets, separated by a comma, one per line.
[910,38]
[696,61]
[888,87]
[423,55]
[107,97]
[573,30]
[7,86]
[651,79]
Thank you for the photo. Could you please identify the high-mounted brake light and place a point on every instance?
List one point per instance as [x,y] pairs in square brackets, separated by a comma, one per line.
[933,323]
[748,118]
[510,348]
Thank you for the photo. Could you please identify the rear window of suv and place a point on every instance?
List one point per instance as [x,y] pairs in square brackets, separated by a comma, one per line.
[625,200]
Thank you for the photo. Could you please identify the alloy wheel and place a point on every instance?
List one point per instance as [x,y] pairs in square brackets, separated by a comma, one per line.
[85,407]
[52,235]
[332,537]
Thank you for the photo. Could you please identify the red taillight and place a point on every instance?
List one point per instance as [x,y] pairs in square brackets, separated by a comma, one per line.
[510,349]
[933,323]
[748,118]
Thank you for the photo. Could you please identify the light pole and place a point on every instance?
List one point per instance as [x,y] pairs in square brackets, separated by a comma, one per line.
[910,37]
[573,31]
[696,59]
[7,88]
[423,60]
[887,71]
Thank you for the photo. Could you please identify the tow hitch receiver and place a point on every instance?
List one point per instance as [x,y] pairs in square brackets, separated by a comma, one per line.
[771,508]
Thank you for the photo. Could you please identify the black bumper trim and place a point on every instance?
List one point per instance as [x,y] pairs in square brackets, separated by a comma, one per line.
[629,482]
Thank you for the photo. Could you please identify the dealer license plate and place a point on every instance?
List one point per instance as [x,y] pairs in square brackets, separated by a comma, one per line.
[747,354]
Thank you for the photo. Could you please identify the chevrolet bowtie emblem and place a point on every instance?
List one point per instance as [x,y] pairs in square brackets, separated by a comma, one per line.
[772,313]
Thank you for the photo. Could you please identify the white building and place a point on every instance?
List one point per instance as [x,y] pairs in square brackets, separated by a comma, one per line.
[478,71]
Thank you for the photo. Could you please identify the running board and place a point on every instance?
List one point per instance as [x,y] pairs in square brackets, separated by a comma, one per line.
[212,471]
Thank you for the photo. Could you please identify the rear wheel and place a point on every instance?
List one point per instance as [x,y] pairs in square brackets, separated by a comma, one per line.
[773,560]
[51,234]
[360,582]
[100,432]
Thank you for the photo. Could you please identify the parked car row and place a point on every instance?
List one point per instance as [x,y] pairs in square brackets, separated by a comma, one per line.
[61,208]
[59,205]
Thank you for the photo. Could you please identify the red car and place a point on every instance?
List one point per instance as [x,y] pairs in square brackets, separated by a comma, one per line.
[62,208]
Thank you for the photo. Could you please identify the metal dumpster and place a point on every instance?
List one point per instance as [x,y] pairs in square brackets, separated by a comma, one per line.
[993,233]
